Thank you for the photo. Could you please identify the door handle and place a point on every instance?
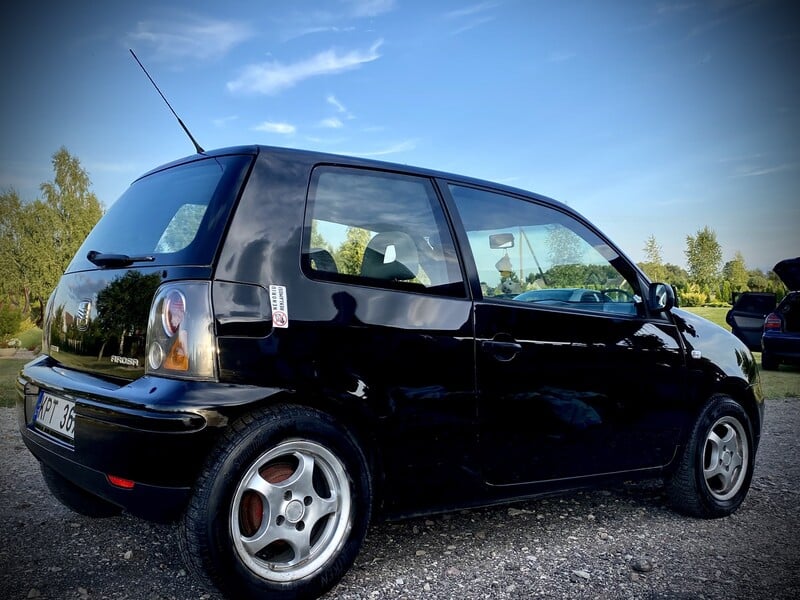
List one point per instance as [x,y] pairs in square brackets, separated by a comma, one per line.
[501,350]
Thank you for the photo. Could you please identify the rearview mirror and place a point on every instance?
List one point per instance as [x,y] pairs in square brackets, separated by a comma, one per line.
[501,241]
[660,297]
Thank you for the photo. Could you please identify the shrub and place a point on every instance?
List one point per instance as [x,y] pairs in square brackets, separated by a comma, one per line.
[9,323]
[693,299]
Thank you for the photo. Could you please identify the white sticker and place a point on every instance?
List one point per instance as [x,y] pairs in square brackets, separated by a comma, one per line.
[280,309]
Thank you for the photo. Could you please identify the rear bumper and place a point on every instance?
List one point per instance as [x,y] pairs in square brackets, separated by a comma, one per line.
[157,503]
[782,345]
[153,431]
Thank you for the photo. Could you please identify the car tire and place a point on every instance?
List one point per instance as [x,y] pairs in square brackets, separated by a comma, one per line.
[75,498]
[769,362]
[281,508]
[714,471]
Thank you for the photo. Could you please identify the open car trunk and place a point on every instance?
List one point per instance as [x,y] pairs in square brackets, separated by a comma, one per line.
[789,272]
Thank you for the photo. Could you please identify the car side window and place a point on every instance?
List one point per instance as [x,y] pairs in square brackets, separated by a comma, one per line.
[531,253]
[380,229]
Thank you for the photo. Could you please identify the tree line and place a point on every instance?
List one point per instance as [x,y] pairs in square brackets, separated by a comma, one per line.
[39,238]
[707,280]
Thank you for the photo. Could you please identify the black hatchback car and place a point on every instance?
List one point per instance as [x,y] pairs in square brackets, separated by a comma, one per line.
[275,346]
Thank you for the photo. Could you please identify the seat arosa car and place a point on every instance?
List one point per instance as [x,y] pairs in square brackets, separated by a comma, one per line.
[274,346]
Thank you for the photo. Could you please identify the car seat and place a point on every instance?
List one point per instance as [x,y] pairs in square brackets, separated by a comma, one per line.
[391,255]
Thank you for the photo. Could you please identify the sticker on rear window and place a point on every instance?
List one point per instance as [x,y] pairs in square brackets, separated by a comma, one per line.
[280,310]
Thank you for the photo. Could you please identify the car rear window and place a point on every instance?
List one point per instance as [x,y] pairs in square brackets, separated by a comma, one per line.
[756,303]
[176,215]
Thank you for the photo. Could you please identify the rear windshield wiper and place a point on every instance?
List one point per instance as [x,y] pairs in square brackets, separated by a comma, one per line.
[103,259]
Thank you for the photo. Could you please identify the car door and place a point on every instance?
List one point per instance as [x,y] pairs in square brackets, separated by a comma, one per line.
[746,317]
[573,377]
[389,324]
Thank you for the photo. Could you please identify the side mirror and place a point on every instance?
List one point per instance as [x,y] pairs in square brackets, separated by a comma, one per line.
[501,241]
[660,297]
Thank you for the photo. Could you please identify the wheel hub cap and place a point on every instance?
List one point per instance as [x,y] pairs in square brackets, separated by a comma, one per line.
[291,511]
[726,458]
[294,511]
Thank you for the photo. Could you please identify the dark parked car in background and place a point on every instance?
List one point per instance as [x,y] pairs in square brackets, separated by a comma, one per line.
[781,340]
[767,326]
[746,316]
[274,346]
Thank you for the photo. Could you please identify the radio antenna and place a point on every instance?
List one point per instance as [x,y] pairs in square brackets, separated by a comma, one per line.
[186,129]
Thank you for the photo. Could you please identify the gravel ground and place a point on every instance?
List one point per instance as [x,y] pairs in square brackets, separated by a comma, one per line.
[620,542]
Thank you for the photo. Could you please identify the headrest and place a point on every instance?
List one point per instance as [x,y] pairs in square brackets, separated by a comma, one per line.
[322,260]
[391,255]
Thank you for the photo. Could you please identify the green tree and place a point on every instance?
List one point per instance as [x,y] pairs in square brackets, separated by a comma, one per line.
[75,208]
[317,239]
[11,267]
[735,273]
[42,268]
[653,264]
[776,285]
[39,238]
[10,319]
[757,281]
[676,276]
[703,257]
[350,253]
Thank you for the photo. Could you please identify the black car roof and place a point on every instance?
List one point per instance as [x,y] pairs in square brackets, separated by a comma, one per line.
[341,159]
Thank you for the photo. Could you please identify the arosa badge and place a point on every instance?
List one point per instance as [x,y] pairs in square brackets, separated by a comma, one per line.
[82,318]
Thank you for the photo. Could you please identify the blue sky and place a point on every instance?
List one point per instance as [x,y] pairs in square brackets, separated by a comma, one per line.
[649,117]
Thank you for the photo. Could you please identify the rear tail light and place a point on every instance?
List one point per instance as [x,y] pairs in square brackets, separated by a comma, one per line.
[121,482]
[773,322]
[174,309]
[180,332]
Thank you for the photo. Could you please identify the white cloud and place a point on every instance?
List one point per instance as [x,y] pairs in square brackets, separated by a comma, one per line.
[191,38]
[272,77]
[468,11]
[331,123]
[753,171]
[673,7]
[223,121]
[325,140]
[471,16]
[369,8]
[334,18]
[340,108]
[331,99]
[472,25]
[274,127]
[404,146]
[291,34]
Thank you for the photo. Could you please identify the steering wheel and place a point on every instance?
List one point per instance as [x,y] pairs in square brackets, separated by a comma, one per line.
[617,295]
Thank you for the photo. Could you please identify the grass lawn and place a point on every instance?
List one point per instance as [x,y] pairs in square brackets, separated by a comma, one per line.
[712,313]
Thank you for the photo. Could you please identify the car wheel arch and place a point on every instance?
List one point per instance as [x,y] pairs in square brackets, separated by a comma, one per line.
[354,414]
[746,396]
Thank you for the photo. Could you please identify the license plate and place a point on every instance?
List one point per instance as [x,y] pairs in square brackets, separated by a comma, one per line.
[56,415]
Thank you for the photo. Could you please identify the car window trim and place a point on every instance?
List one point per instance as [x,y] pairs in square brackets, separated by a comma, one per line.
[458,290]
